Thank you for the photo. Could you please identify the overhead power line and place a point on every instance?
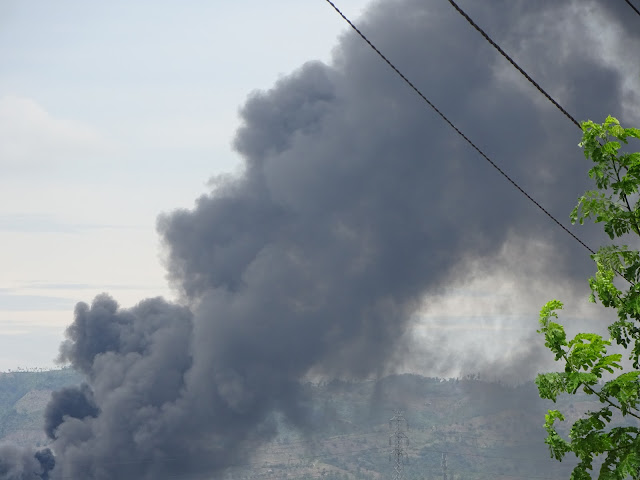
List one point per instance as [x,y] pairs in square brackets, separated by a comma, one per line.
[531,80]
[515,65]
[635,9]
[458,131]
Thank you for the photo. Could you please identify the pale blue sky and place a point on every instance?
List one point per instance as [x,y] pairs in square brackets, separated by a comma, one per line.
[111,113]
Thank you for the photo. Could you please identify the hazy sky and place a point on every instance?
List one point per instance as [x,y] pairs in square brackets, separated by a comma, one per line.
[111,113]
[363,237]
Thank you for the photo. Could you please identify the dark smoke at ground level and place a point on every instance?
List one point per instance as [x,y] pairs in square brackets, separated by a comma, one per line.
[355,203]
[17,463]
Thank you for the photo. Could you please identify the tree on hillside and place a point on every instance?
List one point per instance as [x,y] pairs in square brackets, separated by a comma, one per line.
[589,364]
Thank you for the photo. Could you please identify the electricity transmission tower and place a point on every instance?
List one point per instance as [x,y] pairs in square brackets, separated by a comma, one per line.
[398,440]
[444,466]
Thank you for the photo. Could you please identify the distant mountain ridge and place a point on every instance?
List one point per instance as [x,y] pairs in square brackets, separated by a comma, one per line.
[24,395]
[478,429]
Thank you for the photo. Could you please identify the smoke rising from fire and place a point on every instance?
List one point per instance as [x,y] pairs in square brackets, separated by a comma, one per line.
[355,203]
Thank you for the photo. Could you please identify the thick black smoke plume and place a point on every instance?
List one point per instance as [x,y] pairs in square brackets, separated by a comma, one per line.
[18,463]
[356,201]
[70,402]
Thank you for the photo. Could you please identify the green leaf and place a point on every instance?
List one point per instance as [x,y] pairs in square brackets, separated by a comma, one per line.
[585,358]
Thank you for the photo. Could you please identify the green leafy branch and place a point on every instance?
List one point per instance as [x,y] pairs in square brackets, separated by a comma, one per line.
[610,203]
[586,358]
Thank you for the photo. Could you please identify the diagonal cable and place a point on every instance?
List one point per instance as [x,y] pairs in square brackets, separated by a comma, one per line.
[525,74]
[635,9]
[512,62]
[473,145]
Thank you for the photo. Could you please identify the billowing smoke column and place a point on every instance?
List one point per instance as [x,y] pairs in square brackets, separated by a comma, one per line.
[18,463]
[355,202]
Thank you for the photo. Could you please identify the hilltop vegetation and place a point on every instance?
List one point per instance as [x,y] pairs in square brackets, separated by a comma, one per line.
[486,430]
[23,396]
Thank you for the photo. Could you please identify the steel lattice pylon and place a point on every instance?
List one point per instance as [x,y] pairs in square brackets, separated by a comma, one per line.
[398,440]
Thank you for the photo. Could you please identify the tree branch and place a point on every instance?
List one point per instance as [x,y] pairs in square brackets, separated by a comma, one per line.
[601,396]
[634,222]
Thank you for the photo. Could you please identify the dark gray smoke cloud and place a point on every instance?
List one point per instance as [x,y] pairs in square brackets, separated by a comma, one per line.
[355,202]
[17,463]
[127,421]
[72,402]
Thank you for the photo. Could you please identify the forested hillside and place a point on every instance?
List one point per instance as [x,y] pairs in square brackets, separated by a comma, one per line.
[23,397]
[478,429]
